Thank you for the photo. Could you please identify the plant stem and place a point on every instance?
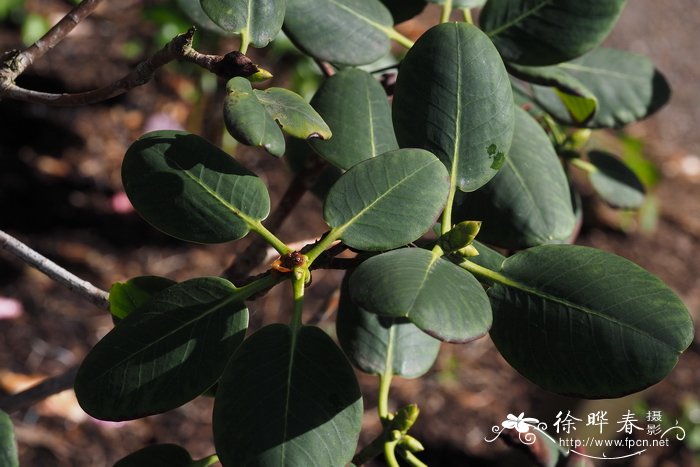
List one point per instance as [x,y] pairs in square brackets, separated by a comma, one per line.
[467,13]
[390,454]
[83,288]
[399,38]
[583,165]
[446,11]
[206,461]
[322,246]
[446,222]
[270,238]
[384,387]
[259,285]
[411,458]
[298,289]
[38,392]
[245,42]
[493,276]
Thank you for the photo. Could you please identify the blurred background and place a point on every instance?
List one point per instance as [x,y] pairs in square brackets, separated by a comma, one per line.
[60,192]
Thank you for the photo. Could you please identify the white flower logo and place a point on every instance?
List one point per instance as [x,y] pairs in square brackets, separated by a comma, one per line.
[520,423]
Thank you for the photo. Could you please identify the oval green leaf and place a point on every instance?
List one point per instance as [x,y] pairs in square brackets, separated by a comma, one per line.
[193,11]
[373,341]
[453,98]
[546,32]
[257,21]
[387,201]
[582,322]
[627,86]
[356,108]
[436,295]
[8,445]
[615,182]
[157,455]
[293,114]
[164,354]
[528,202]
[126,297]
[345,32]
[287,398]
[248,120]
[487,257]
[190,189]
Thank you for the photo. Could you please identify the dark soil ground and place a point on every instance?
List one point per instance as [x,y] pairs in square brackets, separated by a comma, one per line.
[60,192]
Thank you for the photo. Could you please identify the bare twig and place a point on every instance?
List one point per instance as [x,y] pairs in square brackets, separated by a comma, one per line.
[39,392]
[179,48]
[83,288]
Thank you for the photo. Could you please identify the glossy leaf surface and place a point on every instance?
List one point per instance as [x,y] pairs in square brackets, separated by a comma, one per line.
[387,201]
[8,445]
[164,354]
[347,32]
[527,203]
[371,340]
[453,98]
[615,182]
[355,107]
[259,20]
[287,400]
[248,120]
[296,117]
[580,321]
[190,189]
[546,32]
[157,455]
[434,294]
[627,86]
[125,297]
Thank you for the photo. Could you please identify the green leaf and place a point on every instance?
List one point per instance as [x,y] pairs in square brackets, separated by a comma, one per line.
[8,445]
[387,201]
[461,3]
[345,32]
[370,340]
[546,32]
[248,120]
[287,397]
[583,322]
[627,86]
[296,117]
[125,297]
[193,10]
[527,203]
[258,21]
[164,354]
[487,257]
[436,295]
[190,189]
[356,108]
[453,98]
[579,101]
[614,181]
[157,455]
[403,10]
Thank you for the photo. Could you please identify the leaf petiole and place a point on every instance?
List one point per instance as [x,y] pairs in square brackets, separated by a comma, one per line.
[446,11]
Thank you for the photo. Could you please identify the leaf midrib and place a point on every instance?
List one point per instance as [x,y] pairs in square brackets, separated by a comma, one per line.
[518,18]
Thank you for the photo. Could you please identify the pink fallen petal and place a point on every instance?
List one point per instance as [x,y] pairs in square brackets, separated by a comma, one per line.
[10,308]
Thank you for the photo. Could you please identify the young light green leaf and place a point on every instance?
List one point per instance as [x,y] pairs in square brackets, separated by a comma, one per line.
[546,32]
[157,455]
[356,108]
[615,182]
[287,397]
[436,295]
[453,98]
[583,322]
[627,86]
[164,354]
[371,341]
[8,445]
[125,297]
[190,189]
[346,32]
[577,98]
[248,120]
[527,203]
[296,117]
[387,201]
[258,21]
